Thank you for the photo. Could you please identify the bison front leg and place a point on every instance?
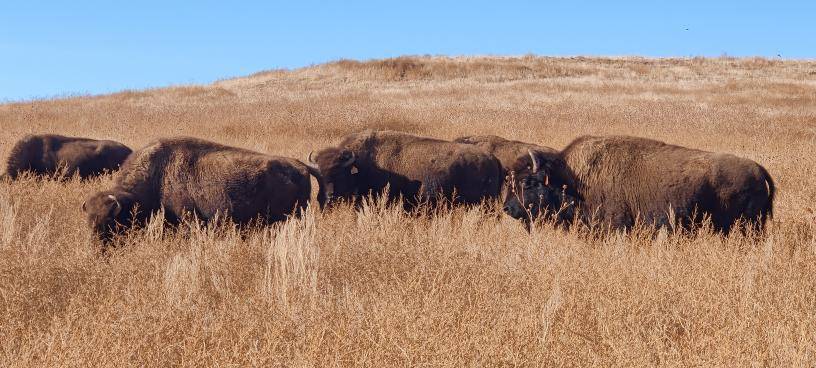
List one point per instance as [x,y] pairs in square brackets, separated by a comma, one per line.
[435,190]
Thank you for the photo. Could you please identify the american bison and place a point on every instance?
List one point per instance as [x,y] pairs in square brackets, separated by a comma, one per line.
[47,154]
[617,181]
[188,175]
[507,151]
[418,169]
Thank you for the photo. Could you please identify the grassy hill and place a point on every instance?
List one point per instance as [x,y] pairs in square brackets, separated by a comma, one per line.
[381,288]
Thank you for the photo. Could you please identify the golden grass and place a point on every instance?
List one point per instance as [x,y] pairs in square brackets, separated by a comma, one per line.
[466,287]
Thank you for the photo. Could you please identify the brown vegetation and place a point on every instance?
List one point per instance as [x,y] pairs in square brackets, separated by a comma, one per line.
[380,288]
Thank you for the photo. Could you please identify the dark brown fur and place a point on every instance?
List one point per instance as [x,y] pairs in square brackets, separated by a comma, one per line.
[621,180]
[47,154]
[187,175]
[507,151]
[416,168]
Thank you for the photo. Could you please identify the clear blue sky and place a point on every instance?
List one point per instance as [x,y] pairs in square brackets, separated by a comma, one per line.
[52,48]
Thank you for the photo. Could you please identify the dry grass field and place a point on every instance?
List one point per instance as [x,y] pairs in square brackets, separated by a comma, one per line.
[465,287]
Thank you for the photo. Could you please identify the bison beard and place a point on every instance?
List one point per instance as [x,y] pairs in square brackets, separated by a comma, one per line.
[191,176]
[618,181]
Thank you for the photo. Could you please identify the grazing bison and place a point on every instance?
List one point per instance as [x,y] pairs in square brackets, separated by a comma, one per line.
[47,154]
[416,168]
[507,151]
[617,181]
[187,175]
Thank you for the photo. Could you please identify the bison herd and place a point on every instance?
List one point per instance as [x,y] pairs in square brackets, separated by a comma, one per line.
[614,182]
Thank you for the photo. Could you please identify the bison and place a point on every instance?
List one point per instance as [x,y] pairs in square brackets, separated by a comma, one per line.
[617,181]
[507,151]
[417,169]
[187,175]
[47,154]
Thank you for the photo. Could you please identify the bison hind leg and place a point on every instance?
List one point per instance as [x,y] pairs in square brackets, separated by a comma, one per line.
[756,214]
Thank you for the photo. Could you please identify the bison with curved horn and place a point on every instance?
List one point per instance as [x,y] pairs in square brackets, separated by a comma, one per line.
[507,151]
[187,175]
[47,154]
[618,181]
[418,169]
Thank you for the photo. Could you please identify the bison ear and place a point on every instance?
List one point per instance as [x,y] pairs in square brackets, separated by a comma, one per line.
[346,158]
[117,207]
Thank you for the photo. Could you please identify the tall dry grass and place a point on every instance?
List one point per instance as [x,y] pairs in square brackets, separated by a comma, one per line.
[378,287]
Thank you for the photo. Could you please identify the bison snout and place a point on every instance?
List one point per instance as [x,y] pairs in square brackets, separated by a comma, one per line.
[514,211]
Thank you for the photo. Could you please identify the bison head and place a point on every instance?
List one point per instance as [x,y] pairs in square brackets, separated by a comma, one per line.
[107,212]
[539,184]
[338,169]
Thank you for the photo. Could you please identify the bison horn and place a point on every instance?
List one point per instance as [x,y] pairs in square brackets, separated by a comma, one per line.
[534,160]
[118,206]
[310,161]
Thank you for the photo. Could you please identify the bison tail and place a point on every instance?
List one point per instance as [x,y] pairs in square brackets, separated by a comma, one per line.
[321,187]
[771,191]
[764,211]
